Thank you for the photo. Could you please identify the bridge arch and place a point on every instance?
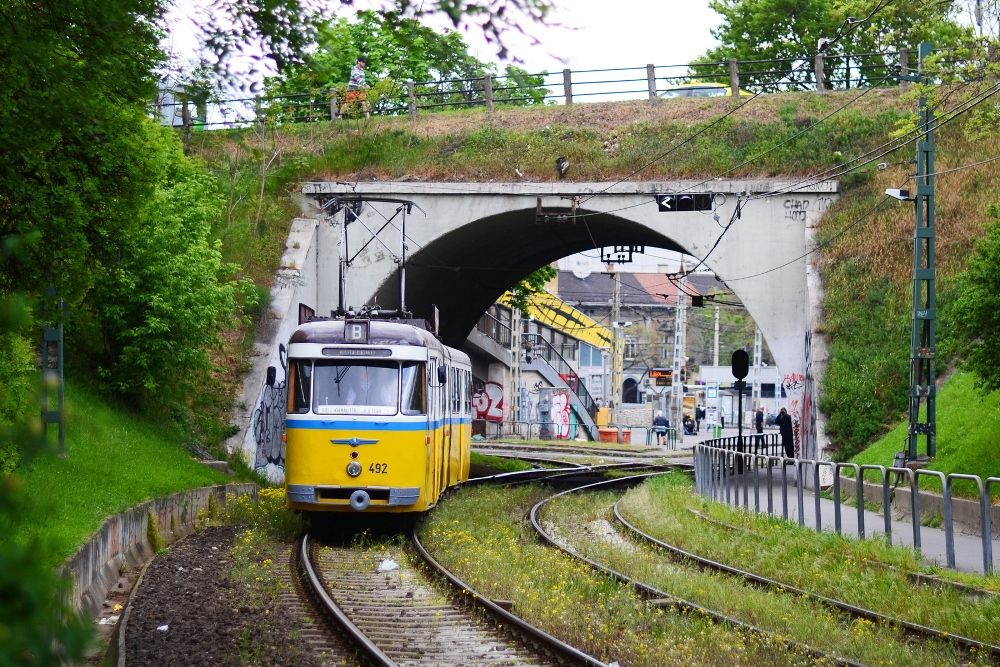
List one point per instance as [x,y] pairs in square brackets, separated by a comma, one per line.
[468,242]
[465,271]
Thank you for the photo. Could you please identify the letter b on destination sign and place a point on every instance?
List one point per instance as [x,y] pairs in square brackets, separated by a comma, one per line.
[700,201]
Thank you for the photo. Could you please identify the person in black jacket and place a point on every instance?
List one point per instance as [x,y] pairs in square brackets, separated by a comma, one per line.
[660,426]
[784,422]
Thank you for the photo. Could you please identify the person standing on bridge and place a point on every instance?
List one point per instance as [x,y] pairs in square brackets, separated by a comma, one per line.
[784,422]
[660,426]
[357,91]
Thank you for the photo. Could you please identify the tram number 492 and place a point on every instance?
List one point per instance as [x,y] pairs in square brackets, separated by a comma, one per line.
[379,468]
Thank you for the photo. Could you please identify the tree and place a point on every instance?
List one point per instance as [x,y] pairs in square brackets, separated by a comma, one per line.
[157,310]
[976,311]
[788,32]
[397,50]
[533,283]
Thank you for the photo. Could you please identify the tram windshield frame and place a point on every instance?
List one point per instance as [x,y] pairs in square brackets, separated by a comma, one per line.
[357,387]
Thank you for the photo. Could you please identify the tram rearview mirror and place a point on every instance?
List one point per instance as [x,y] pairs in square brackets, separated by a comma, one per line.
[272,372]
[741,364]
[442,374]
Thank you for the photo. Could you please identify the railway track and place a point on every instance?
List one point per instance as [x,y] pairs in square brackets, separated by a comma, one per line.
[966,650]
[969,646]
[666,599]
[384,600]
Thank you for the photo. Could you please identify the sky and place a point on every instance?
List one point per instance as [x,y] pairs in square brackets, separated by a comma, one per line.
[581,34]
[592,34]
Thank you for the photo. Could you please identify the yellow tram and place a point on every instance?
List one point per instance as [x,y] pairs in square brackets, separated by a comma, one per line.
[379,417]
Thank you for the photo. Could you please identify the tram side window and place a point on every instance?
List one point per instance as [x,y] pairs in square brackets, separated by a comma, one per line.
[414,394]
[299,386]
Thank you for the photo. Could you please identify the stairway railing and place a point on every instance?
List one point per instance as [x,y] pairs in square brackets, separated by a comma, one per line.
[535,345]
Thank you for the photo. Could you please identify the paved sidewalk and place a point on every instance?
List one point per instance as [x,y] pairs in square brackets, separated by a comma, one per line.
[784,494]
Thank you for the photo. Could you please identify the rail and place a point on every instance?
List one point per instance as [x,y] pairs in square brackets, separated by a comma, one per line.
[726,470]
[653,82]
[552,430]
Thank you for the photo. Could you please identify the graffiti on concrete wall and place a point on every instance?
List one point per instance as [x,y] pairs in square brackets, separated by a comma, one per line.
[561,417]
[487,401]
[809,434]
[792,382]
[269,418]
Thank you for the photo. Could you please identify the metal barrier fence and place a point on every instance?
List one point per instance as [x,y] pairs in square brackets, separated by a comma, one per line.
[530,430]
[725,471]
[820,73]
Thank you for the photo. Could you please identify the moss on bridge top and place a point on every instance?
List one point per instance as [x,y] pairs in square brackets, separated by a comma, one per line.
[866,255]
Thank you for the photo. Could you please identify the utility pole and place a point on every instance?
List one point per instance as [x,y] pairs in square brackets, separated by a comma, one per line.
[677,385]
[758,358]
[715,353]
[515,364]
[923,338]
[616,345]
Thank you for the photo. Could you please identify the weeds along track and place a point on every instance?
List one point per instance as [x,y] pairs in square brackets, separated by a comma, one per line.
[920,631]
[668,600]
[384,599]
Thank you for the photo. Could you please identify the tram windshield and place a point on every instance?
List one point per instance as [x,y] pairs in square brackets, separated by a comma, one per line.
[356,387]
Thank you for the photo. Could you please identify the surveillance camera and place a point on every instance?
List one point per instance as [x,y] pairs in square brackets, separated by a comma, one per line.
[901,195]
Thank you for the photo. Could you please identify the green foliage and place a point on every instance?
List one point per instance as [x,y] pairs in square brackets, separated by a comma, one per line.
[977,306]
[789,31]
[37,625]
[17,401]
[861,389]
[533,283]
[398,50]
[968,427]
[153,533]
[267,514]
[114,460]
[157,310]
[75,77]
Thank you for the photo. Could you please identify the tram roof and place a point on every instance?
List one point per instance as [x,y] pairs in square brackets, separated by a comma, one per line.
[380,332]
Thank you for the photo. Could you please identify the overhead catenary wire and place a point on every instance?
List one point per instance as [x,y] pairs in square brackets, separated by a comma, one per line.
[806,63]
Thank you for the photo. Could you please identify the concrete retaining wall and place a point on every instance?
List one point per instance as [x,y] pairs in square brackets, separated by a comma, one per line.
[966,513]
[122,541]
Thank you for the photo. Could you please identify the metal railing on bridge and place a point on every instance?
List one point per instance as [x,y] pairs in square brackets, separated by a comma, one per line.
[820,73]
[740,473]
[492,327]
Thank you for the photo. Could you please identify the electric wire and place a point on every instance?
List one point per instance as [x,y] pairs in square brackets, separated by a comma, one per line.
[806,63]
[893,144]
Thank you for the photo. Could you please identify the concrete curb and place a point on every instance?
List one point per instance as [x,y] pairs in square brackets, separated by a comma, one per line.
[122,543]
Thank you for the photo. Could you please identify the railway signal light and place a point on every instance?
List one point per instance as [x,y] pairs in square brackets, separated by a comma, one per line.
[700,201]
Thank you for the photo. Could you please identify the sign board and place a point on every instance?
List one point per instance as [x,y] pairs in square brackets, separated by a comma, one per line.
[712,390]
[662,376]
[700,201]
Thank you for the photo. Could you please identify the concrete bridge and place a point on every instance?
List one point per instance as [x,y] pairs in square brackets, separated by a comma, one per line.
[466,243]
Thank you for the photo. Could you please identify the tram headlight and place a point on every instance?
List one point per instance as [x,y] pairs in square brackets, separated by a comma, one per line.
[353,468]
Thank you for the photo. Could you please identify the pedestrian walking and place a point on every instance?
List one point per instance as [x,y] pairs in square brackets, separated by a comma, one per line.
[660,426]
[758,422]
[699,416]
[357,90]
[784,422]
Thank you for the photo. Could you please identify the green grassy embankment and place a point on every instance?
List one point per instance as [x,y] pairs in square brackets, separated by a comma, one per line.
[114,460]
[968,432]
